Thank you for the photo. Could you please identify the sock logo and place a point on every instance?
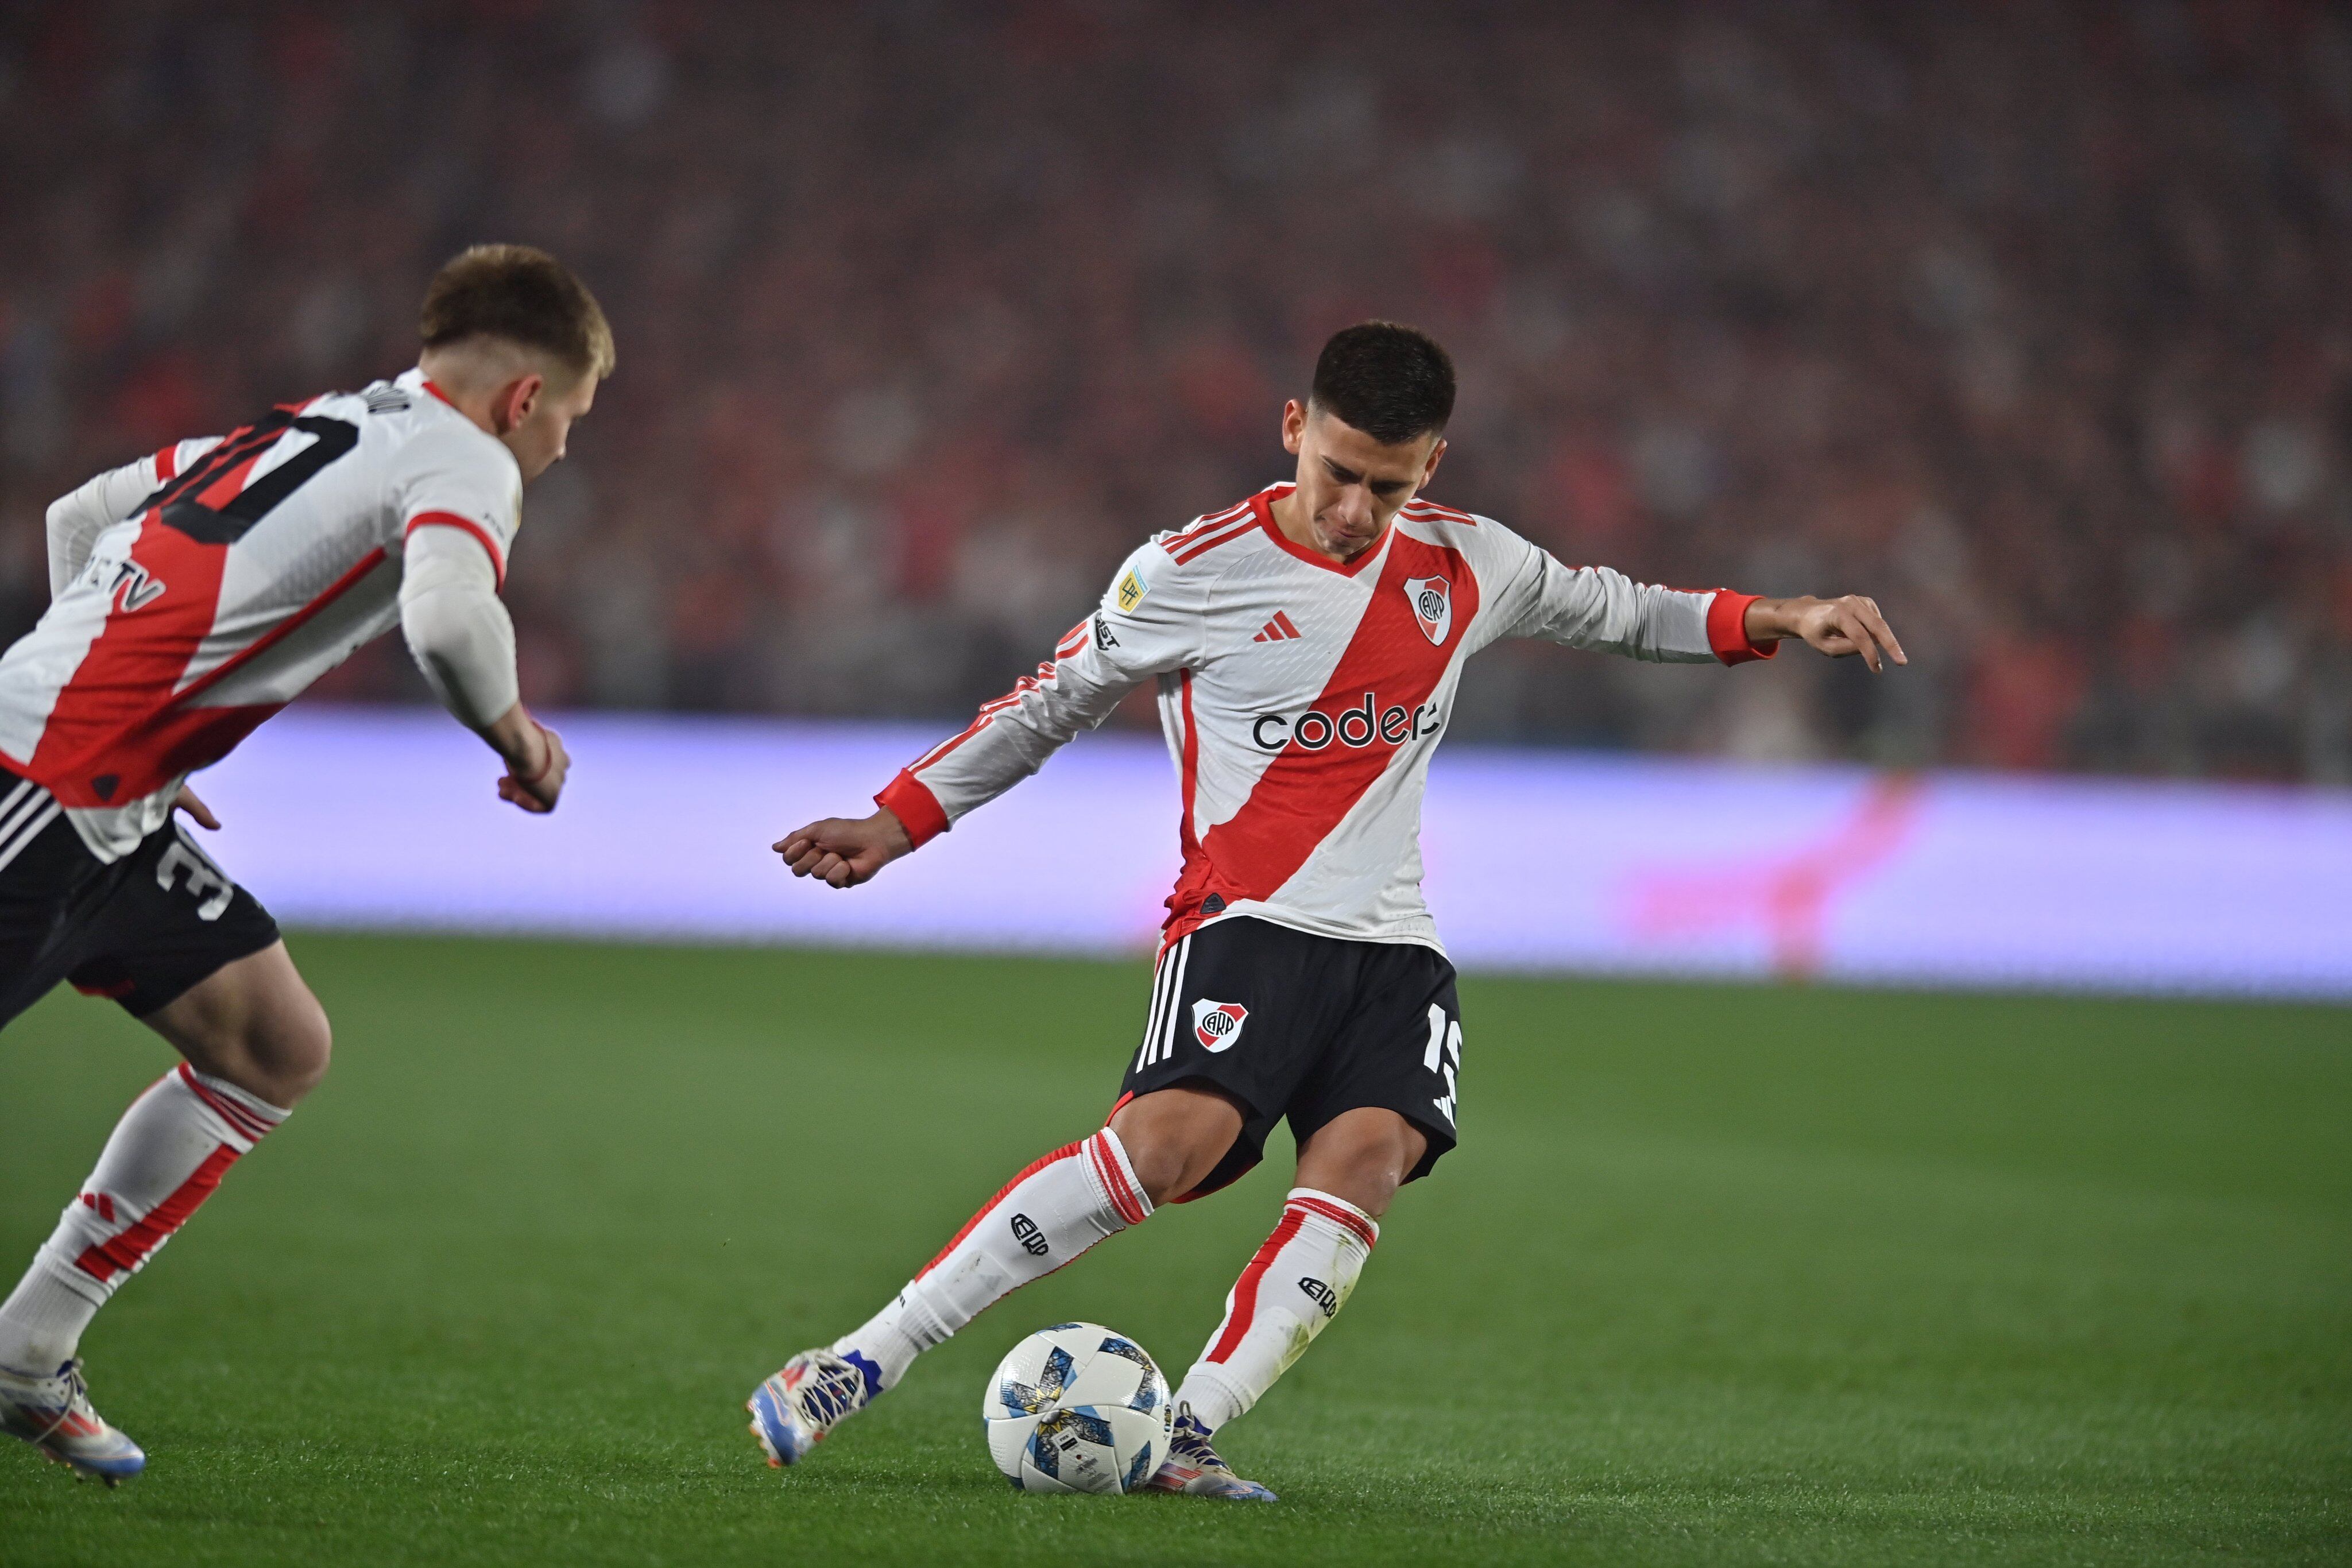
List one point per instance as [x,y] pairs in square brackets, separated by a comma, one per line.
[1032,1240]
[1218,1025]
[1322,1295]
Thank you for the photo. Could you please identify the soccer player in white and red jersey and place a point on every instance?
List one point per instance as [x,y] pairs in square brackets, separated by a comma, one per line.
[195,592]
[1306,643]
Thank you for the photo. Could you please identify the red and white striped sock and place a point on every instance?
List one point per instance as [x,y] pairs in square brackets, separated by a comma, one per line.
[1296,1283]
[167,1154]
[1078,1195]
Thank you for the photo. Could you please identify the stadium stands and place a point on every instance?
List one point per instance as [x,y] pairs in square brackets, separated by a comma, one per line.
[2029,320]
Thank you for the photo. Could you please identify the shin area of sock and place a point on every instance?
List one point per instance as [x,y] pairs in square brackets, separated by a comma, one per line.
[1296,1282]
[1044,1216]
[165,1157]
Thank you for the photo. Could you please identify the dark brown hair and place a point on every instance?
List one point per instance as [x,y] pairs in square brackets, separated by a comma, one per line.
[521,295]
[1393,384]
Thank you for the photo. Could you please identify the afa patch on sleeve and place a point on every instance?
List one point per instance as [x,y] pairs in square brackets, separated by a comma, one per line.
[1131,589]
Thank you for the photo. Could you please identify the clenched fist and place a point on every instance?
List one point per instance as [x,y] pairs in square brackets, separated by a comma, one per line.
[843,851]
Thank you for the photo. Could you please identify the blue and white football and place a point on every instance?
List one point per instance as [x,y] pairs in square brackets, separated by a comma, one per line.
[1076,1407]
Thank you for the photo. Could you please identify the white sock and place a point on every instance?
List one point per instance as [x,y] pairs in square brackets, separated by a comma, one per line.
[165,1157]
[1078,1195]
[1296,1283]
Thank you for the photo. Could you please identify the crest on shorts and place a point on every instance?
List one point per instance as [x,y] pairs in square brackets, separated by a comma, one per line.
[1218,1025]
[1433,606]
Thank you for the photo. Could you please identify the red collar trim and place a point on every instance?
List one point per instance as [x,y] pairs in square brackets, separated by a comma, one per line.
[1264,503]
[445,397]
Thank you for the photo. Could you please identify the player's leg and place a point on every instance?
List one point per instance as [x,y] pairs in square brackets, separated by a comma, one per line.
[1186,1122]
[1177,1137]
[256,1041]
[1043,1219]
[1295,1284]
[48,879]
[1051,1211]
[1305,1268]
[222,991]
[255,1025]
[1375,1114]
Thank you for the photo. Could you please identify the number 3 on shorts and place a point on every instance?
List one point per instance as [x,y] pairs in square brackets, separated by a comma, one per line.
[1443,1056]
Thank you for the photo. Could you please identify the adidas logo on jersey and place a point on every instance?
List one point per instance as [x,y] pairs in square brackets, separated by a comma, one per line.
[1278,629]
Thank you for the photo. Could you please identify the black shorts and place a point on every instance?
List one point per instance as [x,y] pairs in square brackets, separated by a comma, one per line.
[1304,1027]
[143,930]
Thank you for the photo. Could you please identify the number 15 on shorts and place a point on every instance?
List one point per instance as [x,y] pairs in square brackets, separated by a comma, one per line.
[1443,1056]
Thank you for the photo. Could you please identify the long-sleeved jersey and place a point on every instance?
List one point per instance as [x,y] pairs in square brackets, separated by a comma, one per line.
[200,590]
[1302,699]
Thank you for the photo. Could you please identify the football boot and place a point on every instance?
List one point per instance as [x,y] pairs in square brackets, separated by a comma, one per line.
[54,1415]
[1194,1466]
[813,1394]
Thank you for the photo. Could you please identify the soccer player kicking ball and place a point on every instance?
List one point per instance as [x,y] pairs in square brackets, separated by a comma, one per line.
[196,593]
[1306,642]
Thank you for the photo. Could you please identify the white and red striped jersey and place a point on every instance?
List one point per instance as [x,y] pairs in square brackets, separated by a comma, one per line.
[1302,699]
[255,563]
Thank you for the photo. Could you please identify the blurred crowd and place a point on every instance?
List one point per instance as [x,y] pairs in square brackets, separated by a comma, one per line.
[2033,321]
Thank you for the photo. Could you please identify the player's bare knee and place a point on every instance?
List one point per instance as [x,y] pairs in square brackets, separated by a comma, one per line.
[255,1025]
[1363,1157]
[1362,1178]
[1174,1137]
[1163,1151]
[1161,1168]
[286,1041]
[294,1047]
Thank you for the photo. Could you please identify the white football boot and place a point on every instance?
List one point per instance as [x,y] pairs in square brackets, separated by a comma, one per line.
[811,1394]
[1194,1466]
[54,1415]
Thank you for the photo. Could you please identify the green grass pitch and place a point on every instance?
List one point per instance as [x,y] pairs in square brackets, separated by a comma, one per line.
[1721,1275]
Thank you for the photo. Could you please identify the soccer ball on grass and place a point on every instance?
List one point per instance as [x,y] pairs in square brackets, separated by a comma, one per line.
[1076,1407]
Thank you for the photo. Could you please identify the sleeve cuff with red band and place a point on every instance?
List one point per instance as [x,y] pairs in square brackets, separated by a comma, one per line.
[452,520]
[908,798]
[1727,629]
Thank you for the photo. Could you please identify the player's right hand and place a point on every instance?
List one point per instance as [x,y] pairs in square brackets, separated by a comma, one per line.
[537,791]
[843,851]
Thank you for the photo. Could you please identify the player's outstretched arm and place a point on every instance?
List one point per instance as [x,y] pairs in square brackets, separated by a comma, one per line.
[1148,624]
[843,851]
[1851,625]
